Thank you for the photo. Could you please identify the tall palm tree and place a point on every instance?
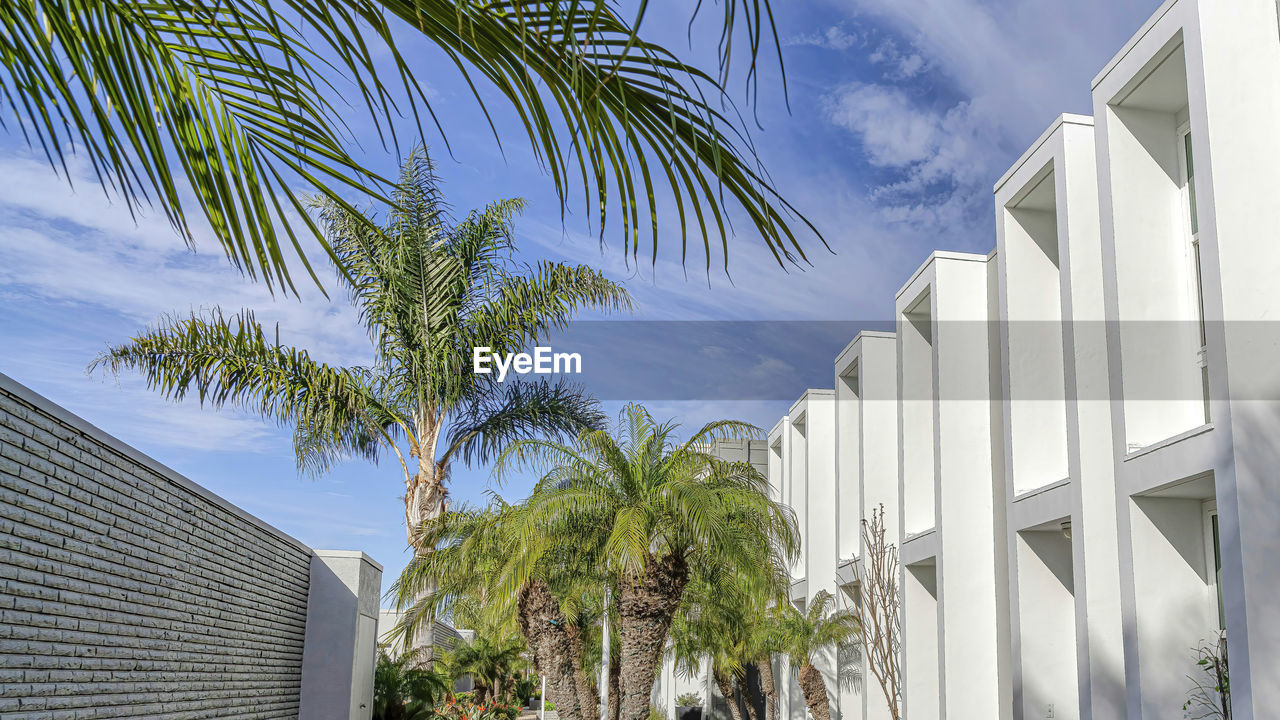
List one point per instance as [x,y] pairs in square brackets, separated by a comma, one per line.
[652,512]
[805,635]
[217,110]
[428,290]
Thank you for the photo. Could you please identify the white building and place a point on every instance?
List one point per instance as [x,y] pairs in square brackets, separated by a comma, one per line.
[1077,436]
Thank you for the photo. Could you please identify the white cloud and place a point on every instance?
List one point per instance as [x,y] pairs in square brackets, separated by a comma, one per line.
[942,160]
[900,65]
[832,38]
[1013,66]
[62,247]
[893,132]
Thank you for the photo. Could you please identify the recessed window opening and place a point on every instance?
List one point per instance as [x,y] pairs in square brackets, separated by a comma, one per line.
[1191,217]
[1177,561]
[921,652]
[1152,165]
[1046,621]
[848,398]
[1034,352]
[917,390]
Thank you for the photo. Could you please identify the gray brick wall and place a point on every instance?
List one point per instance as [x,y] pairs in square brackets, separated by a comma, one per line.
[128,591]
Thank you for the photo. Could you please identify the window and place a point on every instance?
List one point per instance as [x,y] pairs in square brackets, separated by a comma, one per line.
[1213,558]
[1191,214]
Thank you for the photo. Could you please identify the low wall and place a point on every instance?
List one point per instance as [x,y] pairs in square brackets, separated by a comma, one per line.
[126,590]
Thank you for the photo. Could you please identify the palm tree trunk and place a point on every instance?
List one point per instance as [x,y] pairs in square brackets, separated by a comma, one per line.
[615,689]
[750,697]
[424,500]
[765,667]
[645,608]
[815,692]
[555,646]
[588,693]
[729,691]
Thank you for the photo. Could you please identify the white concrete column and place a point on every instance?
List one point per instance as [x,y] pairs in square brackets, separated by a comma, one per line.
[341,637]
[1090,435]
[1238,183]
[973,562]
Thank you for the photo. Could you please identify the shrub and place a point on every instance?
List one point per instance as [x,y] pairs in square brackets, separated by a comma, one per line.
[688,700]
[657,713]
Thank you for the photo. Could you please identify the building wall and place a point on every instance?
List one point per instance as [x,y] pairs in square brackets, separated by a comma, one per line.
[128,591]
[1086,490]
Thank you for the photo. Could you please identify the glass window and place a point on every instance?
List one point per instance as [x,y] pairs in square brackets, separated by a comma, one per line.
[1193,222]
[1191,187]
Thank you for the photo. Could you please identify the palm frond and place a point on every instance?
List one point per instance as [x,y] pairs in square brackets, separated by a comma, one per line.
[215,109]
[517,410]
[214,112]
[229,360]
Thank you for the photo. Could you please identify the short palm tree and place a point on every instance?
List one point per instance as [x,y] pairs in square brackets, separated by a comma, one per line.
[651,512]
[821,627]
[490,659]
[720,622]
[553,610]
[405,686]
[428,290]
[765,642]
[218,110]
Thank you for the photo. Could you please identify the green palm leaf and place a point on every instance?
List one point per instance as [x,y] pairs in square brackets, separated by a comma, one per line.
[428,290]
[221,113]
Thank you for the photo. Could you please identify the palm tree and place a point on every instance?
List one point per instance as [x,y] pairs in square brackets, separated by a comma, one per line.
[553,610]
[804,635]
[765,642]
[713,628]
[217,110]
[428,290]
[652,513]
[405,687]
[490,659]
[725,620]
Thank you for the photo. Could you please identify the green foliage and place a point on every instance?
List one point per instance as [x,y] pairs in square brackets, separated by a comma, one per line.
[724,619]
[428,290]
[489,660]
[628,497]
[405,687]
[606,508]
[822,625]
[1210,694]
[688,700]
[526,688]
[219,110]
[657,713]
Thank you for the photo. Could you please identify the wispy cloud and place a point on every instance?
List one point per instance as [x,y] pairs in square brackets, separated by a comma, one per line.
[80,248]
[835,37]
[1008,70]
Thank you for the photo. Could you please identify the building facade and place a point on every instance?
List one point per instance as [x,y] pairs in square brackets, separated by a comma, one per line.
[1076,437]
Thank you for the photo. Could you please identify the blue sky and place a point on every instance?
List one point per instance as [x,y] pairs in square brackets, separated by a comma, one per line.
[902,115]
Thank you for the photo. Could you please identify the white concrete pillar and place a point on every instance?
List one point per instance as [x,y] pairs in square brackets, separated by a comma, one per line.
[341,637]
[1238,185]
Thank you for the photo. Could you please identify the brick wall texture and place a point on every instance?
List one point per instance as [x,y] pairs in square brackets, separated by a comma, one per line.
[125,591]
